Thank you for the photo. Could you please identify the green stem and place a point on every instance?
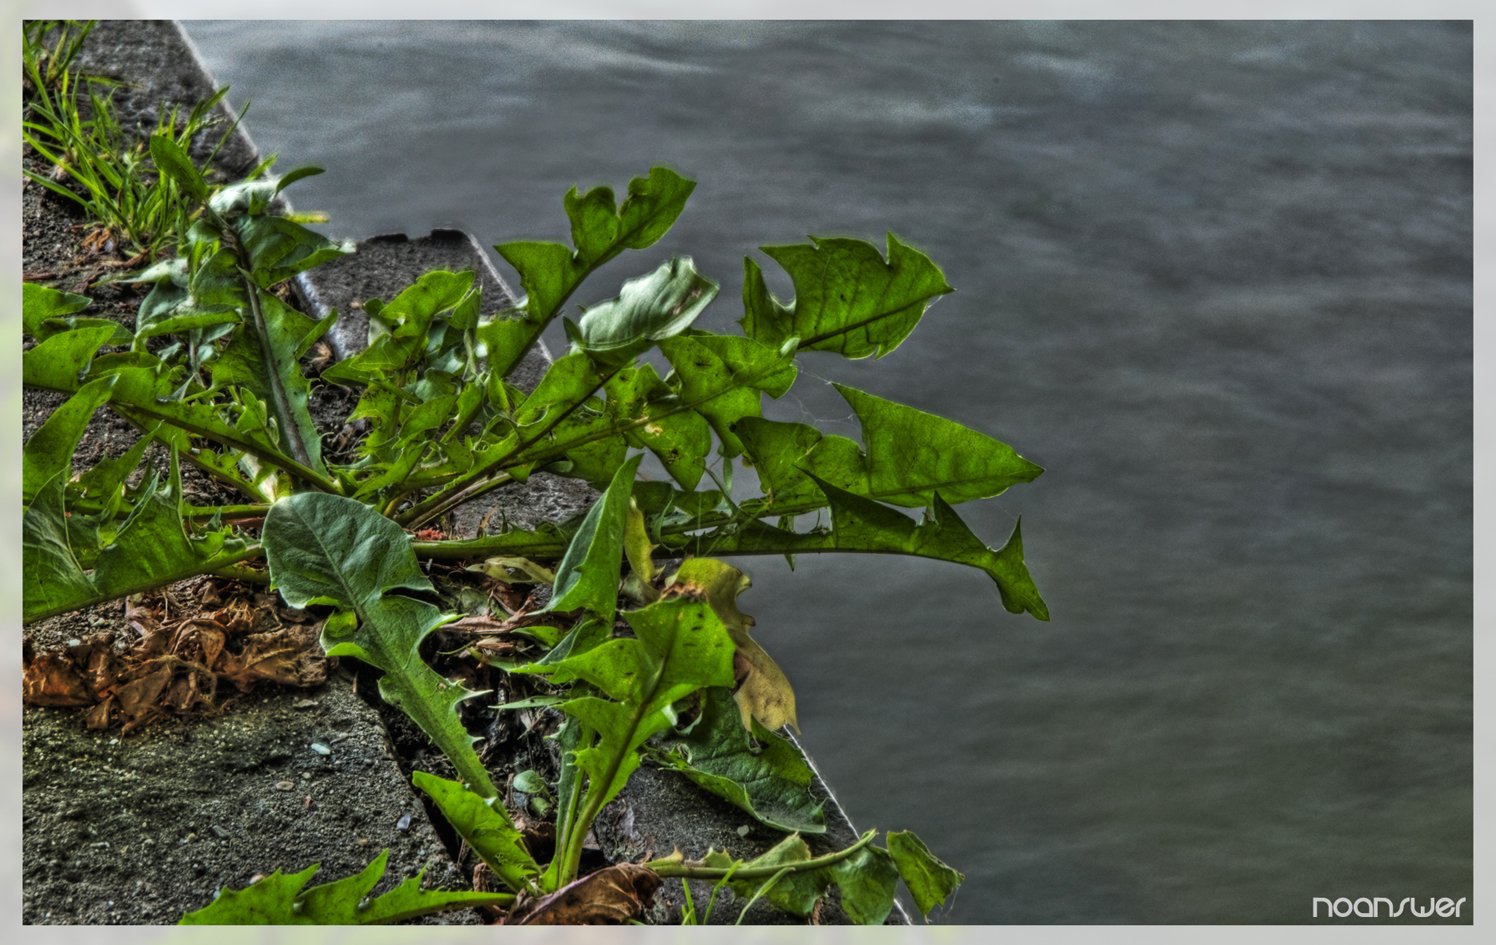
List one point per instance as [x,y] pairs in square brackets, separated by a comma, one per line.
[470,486]
[597,791]
[566,823]
[669,867]
[285,463]
[762,890]
[246,575]
[252,510]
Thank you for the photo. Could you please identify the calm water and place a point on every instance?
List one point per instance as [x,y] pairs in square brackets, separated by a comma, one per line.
[1215,277]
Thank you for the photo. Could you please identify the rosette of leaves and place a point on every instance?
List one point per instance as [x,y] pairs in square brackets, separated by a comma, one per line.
[214,371]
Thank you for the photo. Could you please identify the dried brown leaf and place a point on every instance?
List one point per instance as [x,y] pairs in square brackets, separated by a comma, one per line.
[139,696]
[611,896]
[51,680]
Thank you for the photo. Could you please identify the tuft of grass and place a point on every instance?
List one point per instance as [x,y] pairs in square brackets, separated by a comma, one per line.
[48,48]
[70,122]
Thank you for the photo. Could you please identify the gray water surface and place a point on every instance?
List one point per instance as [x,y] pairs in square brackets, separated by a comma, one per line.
[1215,277]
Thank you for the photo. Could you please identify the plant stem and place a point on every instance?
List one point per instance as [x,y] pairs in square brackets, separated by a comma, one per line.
[470,486]
[762,890]
[247,575]
[252,510]
[286,463]
[669,867]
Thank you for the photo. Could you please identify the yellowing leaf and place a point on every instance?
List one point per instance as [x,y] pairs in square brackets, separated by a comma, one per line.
[765,693]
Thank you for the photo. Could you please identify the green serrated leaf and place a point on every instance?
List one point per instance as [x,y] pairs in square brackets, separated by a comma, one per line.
[722,377]
[39,302]
[679,647]
[278,899]
[270,373]
[866,881]
[550,272]
[325,549]
[760,772]
[280,248]
[860,525]
[411,327]
[649,309]
[778,450]
[569,381]
[929,879]
[151,548]
[908,455]
[59,362]
[486,828]
[848,298]
[45,310]
[643,405]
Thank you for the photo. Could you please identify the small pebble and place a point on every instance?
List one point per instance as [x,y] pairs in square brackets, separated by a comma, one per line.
[221,833]
[743,830]
[321,749]
[284,785]
[306,704]
[306,775]
[403,823]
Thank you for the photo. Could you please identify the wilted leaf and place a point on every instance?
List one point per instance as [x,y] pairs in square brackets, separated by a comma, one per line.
[52,679]
[511,570]
[765,693]
[639,551]
[175,666]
